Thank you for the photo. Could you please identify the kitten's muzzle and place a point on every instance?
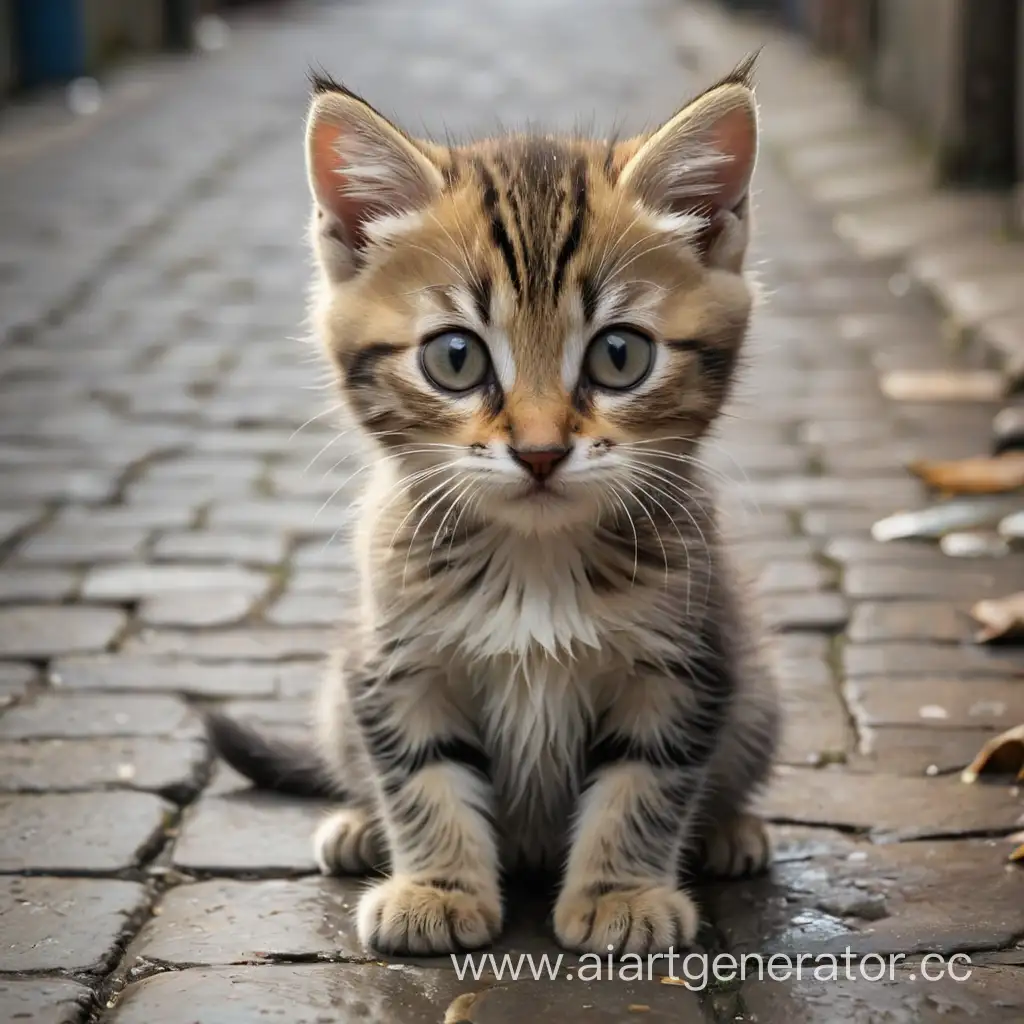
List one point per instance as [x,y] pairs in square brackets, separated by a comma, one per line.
[540,463]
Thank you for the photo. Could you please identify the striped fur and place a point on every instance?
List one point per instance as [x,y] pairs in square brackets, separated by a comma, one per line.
[557,675]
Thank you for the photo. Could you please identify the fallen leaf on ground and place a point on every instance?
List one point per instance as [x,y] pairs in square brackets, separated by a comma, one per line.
[1001,618]
[1002,755]
[977,475]
[1018,855]
[970,544]
[669,980]
[459,1010]
[937,520]
[943,385]
[1012,527]
[1008,429]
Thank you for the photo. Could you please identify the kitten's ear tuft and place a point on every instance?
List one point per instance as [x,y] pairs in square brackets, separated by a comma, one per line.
[702,162]
[743,73]
[320,81]
[361,168]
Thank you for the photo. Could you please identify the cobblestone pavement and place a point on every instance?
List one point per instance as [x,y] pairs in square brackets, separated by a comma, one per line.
[170,528]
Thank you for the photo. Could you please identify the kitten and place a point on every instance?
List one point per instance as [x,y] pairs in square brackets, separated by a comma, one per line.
[552,667]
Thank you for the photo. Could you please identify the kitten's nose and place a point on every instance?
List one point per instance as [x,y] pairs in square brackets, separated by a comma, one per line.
[539,462]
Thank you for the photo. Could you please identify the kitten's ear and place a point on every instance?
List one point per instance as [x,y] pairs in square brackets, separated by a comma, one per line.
[361,168]
[701,162]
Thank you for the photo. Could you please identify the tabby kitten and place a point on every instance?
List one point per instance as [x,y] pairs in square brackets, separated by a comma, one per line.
[552,668]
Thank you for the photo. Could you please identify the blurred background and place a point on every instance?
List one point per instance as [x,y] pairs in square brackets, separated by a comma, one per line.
[950,68]
[174,490]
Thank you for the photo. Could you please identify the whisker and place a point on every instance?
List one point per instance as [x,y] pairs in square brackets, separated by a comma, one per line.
[657,532]
[420,522]
[636,537]
[312,419]
[682,506]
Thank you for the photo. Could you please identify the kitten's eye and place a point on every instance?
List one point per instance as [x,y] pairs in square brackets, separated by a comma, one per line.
[455,361]
[619,358]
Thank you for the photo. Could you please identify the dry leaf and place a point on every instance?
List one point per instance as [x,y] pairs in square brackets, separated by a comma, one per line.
[1012,527]
[459,1010]
[1018,855]
[938,520]
[943,385]
[1008,429]
[973,544]
[669,980]
[639,1008]
[1002,755]
[978,475]
[1001,618]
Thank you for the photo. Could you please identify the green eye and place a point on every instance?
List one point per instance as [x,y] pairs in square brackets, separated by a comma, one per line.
[619,358]
[455,361]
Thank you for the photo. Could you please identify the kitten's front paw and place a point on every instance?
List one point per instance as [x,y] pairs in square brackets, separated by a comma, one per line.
[348,842]
[408,915]
[737,847]
[629,918]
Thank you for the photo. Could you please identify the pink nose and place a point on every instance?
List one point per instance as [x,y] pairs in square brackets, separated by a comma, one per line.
[539,462]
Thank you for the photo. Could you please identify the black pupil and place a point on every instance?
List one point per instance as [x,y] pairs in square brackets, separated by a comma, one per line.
[617,352]
[458,353]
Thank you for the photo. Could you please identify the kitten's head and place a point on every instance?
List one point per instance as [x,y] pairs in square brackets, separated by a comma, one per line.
[525,322]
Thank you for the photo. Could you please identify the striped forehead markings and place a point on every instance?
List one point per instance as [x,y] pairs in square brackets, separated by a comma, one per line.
[499,232]
[540,190]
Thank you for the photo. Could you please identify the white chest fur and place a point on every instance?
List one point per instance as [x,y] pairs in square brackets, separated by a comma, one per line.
[534,651]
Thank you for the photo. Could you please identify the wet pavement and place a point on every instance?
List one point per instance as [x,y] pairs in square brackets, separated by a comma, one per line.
[171,521]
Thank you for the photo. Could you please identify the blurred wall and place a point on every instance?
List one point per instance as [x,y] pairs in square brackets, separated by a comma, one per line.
[916,68]
[953,70]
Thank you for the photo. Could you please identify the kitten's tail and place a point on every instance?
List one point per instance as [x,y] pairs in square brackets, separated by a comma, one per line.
[270,762]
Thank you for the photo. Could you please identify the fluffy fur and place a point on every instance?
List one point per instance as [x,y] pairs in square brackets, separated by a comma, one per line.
[552,667]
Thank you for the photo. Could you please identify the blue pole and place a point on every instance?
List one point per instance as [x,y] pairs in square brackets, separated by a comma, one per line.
[49,40]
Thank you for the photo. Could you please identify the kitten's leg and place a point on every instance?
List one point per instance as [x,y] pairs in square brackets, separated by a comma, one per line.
[436,807]
[621,888]
[646,776]
[736,847]
[349,841]
[734,843]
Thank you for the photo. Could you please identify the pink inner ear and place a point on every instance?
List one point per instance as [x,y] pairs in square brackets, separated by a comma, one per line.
[352,213]
[734,136]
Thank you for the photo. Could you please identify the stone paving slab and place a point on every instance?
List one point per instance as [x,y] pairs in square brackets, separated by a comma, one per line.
[892,807]
[177,676]
[238,644]
[36,585]
[815,726]
[323,993]
[936,701]
[34,632]
[261,549]
[15,679]
[941,621]
[916,749]
[78,716]
[46,1001]
[901,898]
[132,582]
[249,833]
[173,768]
[95,833]
[63,544]
[991,994]
[66,924]
[227,921]
[196,609]
[898,660]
